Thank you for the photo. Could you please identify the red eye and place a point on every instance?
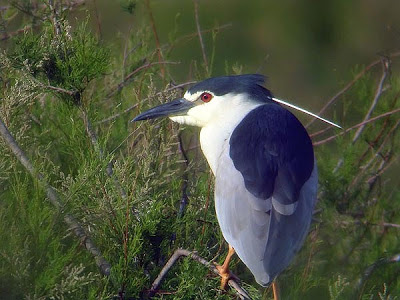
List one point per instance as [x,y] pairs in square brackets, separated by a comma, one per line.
[206,97]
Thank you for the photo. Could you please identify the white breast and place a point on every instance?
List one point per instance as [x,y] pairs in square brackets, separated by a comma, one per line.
[216,132]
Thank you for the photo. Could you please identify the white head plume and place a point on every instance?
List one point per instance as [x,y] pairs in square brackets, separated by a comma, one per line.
[306,111]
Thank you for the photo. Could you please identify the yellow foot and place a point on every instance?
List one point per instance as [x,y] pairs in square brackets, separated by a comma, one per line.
[275,290]
[226,275]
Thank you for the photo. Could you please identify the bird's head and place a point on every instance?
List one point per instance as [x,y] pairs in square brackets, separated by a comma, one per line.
[212,99]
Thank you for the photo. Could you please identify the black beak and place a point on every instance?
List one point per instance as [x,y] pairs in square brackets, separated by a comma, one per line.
[174,108]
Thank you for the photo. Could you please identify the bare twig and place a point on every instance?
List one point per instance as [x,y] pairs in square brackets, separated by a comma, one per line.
[93,138]
[113,117]
[112,211]
[30,12]
[203,50]
[130,75]
[69,5]
[55,200]
[378,153]
[193,35]
[60,90]
[384,224]
[376,146]
[367,223]
[378,93]
[126,233]
[368,272]
[153,27]
[350,84]
[355,126]
[382,168]
[319,132]
[203,229]
[185,179]
[54,18]
[98,21]
[182,252]
[6,35]
[126,55]
[91,134]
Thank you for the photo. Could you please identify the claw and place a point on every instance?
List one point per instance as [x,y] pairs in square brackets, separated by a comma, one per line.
[226,275]
[224,271]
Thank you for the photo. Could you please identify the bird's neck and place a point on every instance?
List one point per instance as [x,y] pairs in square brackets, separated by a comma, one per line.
[215,135]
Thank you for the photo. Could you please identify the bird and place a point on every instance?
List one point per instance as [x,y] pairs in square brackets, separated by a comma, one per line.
[264,166]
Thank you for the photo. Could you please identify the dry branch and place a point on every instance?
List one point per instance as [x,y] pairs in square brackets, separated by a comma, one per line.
[203,50]
[193,35]
[54,18]
[93,138]
[367,223]
[378,153]
[128,77]
[55,200]
[185,178]
[378,93]
[368,272]
[182,252]
[59,90]
[350,84]
[66,5]
[318,143]
[157,40]
[113,117]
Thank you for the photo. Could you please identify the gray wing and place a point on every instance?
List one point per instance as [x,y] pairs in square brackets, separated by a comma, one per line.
[264,193]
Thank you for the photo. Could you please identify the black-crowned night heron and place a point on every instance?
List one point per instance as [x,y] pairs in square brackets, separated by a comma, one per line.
[264,166]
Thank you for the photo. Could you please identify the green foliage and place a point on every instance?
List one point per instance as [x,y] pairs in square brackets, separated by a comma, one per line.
[133,215]
[336,288]
[42,261]
[128,5]
[68,60]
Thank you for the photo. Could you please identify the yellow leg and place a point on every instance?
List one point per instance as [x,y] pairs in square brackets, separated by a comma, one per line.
[275,290]
[224,269]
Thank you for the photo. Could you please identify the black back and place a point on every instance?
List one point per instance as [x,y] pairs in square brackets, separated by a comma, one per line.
[273,152]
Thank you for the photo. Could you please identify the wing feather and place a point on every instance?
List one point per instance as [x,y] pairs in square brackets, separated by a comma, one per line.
[266,182]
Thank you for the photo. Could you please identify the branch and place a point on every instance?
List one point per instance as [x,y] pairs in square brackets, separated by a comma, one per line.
[182,252]
[113,117]
[381,170]
[355,126]
[153,27]
[55,200]
[319,132]
[93,138]
[130,75]
[367,223]
[60,90]
[377,153]
[368,272]
[378,93]
[185,179]
[192,35]
[6,35]
[203,50]
[54,18]
[385,140]
[98,21]
[350,84]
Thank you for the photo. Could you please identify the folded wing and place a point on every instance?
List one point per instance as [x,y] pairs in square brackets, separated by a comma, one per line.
[266,189]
